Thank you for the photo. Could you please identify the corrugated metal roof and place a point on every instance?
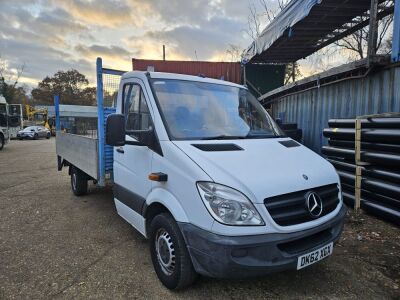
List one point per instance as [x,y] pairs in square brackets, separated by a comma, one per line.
[229,71]
[311,109]
[305,26]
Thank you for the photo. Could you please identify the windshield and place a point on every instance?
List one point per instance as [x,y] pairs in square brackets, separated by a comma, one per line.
[30,128]
[198,110]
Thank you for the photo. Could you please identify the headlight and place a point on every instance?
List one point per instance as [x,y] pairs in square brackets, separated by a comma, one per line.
[227,205]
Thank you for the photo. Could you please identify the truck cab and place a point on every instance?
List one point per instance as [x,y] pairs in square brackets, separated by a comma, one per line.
[4,132]
[203,171]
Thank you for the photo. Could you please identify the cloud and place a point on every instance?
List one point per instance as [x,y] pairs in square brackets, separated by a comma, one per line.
[212,38]
[118,56]
[101,13]
[178,12]
[52,35]
[99,50]
[40,61]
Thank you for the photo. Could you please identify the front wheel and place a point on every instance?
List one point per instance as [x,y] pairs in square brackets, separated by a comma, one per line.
[1,142]
[35,136]
[169,254]
[79,183]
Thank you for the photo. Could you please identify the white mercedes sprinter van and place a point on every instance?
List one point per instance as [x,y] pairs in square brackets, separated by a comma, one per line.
[203,171]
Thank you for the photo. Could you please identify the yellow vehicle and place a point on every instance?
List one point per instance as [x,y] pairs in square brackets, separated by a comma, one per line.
[39,117]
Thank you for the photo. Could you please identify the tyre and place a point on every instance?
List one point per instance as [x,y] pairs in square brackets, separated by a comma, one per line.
[1,142]
[35,137]
[169,254]
[79,183]
[20,138]
[48,135]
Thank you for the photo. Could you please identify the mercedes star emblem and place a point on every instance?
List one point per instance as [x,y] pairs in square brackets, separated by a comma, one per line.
[313,204]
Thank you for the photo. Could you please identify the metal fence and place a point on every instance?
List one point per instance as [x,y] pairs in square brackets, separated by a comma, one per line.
[83,126]
[110,87]
[311,109]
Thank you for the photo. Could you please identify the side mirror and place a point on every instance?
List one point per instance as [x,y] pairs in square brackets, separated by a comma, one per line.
[115,130]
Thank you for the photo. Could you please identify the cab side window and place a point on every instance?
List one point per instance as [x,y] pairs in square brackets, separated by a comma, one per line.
[137,114]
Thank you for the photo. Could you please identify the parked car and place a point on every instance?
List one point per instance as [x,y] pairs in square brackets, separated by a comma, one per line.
[33,133]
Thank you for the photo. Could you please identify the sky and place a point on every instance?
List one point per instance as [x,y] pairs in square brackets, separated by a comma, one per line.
[50,35]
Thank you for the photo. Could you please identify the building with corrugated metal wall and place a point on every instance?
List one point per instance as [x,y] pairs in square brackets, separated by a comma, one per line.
[311,106]
[229,71]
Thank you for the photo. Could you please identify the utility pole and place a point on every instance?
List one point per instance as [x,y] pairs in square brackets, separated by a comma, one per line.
[163,52]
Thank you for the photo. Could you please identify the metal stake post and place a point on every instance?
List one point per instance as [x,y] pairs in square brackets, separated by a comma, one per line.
[357,192]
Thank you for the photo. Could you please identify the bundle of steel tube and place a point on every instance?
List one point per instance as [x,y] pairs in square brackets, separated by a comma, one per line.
[380,163]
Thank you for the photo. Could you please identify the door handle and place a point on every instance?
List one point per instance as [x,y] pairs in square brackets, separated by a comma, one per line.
[120,150]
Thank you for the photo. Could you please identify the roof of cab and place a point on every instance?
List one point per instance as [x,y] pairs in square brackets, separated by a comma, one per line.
[161,75]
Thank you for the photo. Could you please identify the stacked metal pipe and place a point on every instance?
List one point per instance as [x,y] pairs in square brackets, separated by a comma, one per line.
[380,157]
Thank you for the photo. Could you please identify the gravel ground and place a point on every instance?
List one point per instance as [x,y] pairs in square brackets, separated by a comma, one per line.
[55,245]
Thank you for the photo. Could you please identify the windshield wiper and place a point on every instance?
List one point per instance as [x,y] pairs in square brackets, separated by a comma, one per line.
[263,136]
[224,137]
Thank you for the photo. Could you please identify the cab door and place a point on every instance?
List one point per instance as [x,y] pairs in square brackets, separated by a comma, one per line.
[132,163]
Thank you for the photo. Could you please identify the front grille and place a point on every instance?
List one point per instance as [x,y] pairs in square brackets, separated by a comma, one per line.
[291,209]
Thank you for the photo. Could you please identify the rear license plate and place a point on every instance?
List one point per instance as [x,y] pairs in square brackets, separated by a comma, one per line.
[314,256]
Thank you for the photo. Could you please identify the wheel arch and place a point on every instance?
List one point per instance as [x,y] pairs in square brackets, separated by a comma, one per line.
[160,200]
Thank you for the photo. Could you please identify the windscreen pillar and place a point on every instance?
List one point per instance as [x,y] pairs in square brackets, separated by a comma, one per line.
[396,33]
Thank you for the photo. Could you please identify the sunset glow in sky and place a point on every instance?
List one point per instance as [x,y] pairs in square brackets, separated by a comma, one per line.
[50,35]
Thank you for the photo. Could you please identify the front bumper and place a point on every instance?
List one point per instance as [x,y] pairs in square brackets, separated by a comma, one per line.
[220,256]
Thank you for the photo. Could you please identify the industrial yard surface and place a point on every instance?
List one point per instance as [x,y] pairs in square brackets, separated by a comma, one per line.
[55,245]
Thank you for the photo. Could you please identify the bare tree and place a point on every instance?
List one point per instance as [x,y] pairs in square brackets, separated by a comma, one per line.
[357,42]
[9,81]
[258,20]
[11,78]
[234,53]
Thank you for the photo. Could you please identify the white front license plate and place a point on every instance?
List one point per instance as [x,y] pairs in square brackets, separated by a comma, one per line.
[315,256]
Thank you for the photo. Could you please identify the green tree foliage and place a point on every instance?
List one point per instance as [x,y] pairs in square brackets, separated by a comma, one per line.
[71,85]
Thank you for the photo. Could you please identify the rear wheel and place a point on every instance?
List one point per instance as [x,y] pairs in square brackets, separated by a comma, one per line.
[1,142]
[35,136]
[171,259]
[79,183]
[48,136]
